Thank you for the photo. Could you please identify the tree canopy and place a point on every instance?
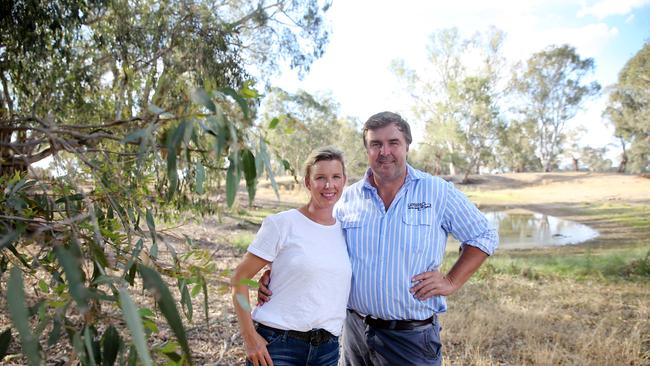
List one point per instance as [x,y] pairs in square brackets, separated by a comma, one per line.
[629,110]
[551,87]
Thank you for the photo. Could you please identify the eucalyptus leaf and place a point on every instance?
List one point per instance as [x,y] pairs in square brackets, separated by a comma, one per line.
[18,312]
[243,105]
[134,323]
[200,96]
[200,178]
[250,173]
[232,183]
[70,263]
[5,341]
[111,344]
[88,343]
[154,283]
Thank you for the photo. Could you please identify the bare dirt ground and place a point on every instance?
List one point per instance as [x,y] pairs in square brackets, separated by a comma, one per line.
[217,342]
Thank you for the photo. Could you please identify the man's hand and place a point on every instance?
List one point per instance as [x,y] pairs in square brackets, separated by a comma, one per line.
[434,283]
[429,284]
[263,292]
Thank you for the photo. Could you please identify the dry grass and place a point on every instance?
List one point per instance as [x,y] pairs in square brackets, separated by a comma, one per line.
[508,320]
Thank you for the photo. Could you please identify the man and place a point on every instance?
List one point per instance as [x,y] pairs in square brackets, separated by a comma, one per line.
[396,221]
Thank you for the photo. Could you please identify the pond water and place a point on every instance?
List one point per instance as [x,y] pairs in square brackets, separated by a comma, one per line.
[521,229]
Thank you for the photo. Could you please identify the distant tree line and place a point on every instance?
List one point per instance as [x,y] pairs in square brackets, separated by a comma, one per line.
[481,114]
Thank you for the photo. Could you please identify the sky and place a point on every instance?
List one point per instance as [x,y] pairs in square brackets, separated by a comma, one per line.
[366,35]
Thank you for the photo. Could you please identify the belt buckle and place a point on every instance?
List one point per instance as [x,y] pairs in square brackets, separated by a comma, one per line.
[317,337]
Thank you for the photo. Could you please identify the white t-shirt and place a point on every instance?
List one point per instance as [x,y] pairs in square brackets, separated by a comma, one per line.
[311,273]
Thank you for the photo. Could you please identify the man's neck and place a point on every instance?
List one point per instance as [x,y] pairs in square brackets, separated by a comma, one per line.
[387,189]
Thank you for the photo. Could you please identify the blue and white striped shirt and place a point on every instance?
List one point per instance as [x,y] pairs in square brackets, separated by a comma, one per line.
[388,247]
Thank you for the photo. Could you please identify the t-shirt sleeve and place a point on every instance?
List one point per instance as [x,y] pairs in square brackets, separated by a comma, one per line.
[266,244]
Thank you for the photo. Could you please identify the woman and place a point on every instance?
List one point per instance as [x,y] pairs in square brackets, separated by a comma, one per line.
[310,280]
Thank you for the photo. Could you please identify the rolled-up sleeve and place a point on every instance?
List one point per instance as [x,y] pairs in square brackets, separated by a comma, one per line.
[467,224]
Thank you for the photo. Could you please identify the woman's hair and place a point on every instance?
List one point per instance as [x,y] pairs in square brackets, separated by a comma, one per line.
[324,153]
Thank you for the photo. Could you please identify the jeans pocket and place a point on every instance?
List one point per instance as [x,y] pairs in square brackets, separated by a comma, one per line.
[269,336]
[432,343]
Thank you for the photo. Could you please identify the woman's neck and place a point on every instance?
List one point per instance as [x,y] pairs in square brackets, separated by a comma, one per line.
[322,216]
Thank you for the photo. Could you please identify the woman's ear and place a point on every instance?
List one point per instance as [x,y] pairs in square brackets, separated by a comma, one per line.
[307,184]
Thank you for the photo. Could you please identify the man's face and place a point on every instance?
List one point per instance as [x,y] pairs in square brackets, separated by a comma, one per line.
[387,151]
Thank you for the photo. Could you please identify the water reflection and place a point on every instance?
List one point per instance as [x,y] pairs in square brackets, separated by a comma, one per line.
[525,229]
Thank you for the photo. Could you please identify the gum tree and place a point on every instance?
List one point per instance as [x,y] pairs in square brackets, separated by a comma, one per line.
[551,88]
[144,108]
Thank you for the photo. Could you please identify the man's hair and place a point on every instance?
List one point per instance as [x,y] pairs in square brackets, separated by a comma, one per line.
[326,153]
[384,119]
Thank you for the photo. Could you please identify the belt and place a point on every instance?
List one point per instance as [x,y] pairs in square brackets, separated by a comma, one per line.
[315,337]
[393,324]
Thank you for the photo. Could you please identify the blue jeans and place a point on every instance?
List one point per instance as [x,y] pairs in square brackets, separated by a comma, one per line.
[365,345]
[288,351]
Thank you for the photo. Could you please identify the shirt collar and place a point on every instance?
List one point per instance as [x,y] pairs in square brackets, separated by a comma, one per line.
[412,174]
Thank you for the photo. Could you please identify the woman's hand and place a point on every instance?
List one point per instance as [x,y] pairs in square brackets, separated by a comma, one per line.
[256,350]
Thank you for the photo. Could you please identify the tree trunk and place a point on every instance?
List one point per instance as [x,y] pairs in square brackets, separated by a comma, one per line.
[623,163]
[575,164]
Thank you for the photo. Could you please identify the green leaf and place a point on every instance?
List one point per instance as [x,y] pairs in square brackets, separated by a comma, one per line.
[186,302]
[134,257]
[20,257]
[250,173]
[175,357]
[274,123]
[152,231]
[134,323]
[144,312]
[55,333]
[88,342]
[111,343]
[199,96]
[11,236]
[155,109]
[250,283]
[43,286]
[247,91]
[204,286]
[5,341]
[200,178]
[166,303]
[132,359]
[173,144]
[135,136]
[18,312]
[267,164]
[169,346]
[73,197]
[232,183]
[196,290]
[151,224]
[238,98]
[78,346]
[70,263]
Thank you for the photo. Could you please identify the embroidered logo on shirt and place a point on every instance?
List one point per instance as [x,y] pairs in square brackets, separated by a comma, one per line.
[419,206]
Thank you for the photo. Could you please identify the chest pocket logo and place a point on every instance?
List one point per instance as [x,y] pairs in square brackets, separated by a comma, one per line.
[418,229]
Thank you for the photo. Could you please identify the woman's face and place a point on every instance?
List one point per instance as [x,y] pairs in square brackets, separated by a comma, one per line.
[325,183]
